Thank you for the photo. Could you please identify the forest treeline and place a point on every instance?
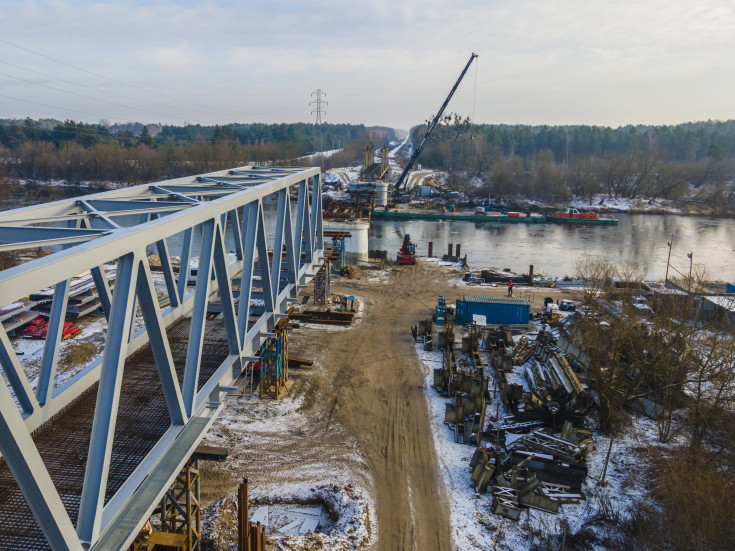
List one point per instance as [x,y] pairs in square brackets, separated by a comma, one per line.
[557,162]
[136,153]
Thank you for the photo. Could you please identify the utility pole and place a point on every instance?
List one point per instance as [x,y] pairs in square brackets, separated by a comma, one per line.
[319,111]
[668,260]
[691,259]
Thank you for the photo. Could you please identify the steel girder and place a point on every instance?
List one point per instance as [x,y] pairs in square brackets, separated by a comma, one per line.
[92,231]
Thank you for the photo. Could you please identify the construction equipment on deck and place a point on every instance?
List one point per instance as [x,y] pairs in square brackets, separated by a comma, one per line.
[402,180]
[407,254]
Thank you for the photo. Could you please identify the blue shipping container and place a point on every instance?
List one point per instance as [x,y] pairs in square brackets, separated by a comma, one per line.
[730,288]
[497,310]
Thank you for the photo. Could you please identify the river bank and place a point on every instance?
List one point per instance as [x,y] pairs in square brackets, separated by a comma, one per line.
[619,205]
[554,249]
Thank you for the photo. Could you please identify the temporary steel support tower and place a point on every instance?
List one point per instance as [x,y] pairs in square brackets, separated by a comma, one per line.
[121,226]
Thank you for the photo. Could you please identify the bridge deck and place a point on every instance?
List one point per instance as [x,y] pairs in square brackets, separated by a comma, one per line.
[142,420]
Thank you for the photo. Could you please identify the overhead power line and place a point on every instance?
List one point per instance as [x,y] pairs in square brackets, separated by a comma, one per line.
[97,115]
[94,99]
[98,90]
[112,79]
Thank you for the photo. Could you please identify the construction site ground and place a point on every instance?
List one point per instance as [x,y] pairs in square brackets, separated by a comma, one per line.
[354,437]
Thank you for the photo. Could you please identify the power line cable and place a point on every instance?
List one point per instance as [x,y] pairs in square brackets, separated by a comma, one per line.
[55,106]
[100,91]
[88,87]
[110,79]
[95,99]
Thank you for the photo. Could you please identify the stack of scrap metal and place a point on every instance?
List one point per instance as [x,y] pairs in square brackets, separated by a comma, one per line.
[537,469]
[444,375]
[466,383]
[466,413]
[498,339]
[446,337]
[424,332]
[522,351]
[471,346]
[554,391]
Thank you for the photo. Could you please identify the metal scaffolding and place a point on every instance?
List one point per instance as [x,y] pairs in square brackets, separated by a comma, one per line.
[179,510]
[164,373]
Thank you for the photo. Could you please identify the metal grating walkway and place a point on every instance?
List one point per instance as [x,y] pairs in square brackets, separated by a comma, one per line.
[142,420]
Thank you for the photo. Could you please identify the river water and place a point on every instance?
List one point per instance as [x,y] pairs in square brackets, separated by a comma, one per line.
[553,249]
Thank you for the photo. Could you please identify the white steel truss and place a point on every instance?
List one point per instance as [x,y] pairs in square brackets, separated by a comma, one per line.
[122,226]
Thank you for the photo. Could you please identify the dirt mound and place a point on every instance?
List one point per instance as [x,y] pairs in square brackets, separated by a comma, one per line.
[352,272]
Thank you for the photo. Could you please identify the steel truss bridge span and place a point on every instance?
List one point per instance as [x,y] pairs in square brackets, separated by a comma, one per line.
[140,409]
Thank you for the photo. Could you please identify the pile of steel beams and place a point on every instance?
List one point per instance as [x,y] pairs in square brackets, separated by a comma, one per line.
[464,382]
[539,469]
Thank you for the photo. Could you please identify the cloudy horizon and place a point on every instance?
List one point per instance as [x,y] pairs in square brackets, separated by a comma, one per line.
[216,62]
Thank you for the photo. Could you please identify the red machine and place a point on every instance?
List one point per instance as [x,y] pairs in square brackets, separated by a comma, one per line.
[407,254]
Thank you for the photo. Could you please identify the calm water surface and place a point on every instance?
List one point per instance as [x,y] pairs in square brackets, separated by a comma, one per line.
[553,248]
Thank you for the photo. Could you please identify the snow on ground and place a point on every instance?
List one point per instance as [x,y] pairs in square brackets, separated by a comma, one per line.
[338,486]
[473,524]
[345,175]
[328,486]
[319,154]
[30,351]
[624,204]
[395,150]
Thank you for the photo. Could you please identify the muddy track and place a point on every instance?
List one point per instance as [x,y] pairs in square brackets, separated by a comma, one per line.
[364,409]
[389,417]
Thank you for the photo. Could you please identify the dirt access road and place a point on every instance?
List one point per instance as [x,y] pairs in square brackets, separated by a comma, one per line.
[387,411]
[358,417]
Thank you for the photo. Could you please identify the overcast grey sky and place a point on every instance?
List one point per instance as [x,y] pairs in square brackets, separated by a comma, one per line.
[381,62]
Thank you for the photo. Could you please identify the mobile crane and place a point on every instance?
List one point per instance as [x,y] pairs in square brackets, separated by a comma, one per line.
[403,180]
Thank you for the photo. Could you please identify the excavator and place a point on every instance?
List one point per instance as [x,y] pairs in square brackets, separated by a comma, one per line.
[407,253]
[399,189]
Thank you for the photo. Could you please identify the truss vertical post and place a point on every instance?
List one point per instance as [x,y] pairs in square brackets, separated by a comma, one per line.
[103,289]
[16,376]
[249,231]
[108,394]
[184,264]
[53,338]
[198,317]
[159,345]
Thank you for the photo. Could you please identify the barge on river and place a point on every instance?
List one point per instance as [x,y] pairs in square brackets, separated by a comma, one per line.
[575,216]
[511,217]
